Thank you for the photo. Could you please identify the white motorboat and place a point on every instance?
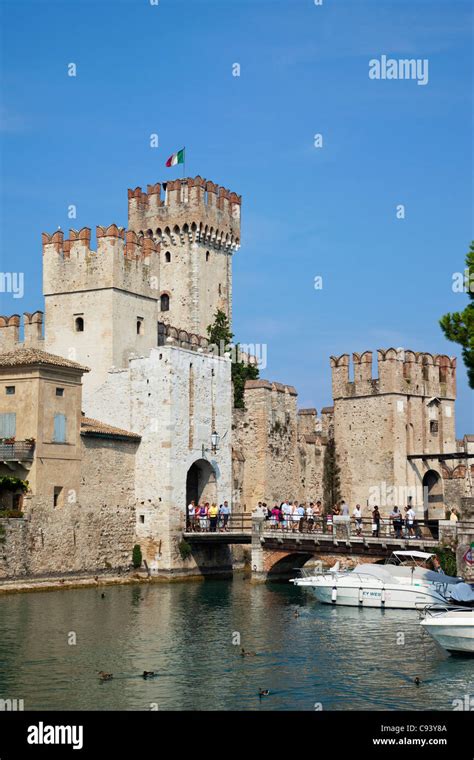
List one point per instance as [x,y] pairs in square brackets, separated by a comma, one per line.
[452,628]
[403,582]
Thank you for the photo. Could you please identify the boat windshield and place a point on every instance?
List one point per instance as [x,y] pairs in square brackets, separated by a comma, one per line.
[410,559]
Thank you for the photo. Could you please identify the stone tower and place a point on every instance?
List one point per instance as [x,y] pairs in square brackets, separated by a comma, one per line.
[174,265]
[197,225]
[390,430]
[100,306]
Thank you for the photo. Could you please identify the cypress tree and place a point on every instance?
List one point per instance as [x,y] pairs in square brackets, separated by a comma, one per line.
[331,476]
[220,335]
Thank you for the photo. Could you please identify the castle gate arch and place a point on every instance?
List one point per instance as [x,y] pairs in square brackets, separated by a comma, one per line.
[433,499]
[201,483]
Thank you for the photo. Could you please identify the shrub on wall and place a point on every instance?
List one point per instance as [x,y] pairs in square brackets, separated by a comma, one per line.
[137,556]
[447,560]
[184,549]
[10,483]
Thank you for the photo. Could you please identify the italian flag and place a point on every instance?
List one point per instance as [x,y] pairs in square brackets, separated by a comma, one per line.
[176,158]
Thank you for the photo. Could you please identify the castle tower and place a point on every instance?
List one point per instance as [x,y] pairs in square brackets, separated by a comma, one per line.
[101,306]
[390,430]
[197,225]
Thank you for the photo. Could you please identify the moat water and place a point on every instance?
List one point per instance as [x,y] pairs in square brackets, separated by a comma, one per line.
[334,658]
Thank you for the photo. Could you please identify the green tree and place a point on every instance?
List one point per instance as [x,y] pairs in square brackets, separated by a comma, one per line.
[137,556]
[220,335]
[331,476]
[459,326]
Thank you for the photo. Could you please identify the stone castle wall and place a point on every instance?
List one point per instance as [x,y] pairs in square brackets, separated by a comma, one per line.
[95,528]
[278,451]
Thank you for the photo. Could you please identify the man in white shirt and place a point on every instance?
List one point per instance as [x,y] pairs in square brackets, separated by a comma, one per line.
[411,514]
[286,510]
[357,515]
[345,517]
[191,515]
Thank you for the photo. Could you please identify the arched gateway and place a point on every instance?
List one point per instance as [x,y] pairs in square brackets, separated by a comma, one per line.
[433,500]
[201,483]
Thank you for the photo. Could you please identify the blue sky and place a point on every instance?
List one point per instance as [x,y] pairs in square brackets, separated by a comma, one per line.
[307,211]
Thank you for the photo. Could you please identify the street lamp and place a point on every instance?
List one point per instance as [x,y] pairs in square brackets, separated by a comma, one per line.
[214,444]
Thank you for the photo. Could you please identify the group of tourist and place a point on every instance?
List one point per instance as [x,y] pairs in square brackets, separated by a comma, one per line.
[302,517]
[208,517]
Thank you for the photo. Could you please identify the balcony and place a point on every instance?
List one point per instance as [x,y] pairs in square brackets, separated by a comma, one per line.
[20,451]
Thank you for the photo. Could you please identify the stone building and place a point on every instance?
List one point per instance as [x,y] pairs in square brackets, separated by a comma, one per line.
[173,265]
[153,386]
[111,411]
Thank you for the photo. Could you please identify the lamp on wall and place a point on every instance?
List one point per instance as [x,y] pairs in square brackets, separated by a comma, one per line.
[214,444]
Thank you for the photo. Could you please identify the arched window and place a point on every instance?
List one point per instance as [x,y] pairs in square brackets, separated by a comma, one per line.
[207,255]
[164,302]
[79,324]
[140,327]
[167,257]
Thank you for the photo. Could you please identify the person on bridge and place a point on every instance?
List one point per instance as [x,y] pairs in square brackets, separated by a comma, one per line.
[310,517]
[397,522]
[213,513]
[203,512]
[410,519]
[357,515]
[300,510]
[346,517]
[318,511]
[191,515]
[286,512]
[375,522]
[224,512]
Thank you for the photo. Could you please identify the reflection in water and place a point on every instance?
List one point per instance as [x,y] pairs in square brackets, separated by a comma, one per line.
[341,657]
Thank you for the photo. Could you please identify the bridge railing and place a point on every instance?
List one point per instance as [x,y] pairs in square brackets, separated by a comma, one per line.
[348,528]
[235,523]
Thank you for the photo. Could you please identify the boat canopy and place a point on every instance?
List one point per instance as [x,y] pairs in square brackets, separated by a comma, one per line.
[418,555]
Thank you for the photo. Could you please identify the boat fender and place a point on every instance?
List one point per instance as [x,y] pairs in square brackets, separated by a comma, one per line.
[361,595]
[334,594]
[382,598]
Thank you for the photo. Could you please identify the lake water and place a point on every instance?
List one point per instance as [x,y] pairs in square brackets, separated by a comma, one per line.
[339,657]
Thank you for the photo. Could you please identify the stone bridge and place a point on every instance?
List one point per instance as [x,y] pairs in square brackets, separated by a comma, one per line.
[278,553]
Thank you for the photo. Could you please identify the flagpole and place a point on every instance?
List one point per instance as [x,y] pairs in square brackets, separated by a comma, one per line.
[184,161]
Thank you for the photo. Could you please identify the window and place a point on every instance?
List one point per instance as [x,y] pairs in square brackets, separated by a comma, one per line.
[140,326]
[59,428]
[79,324]
[142,518]
[161,334]
[57,496]
[207,255]
[10,390]
[220,289]
[434,426]
[164,302]
[167,257]
[7,425]
[59,391]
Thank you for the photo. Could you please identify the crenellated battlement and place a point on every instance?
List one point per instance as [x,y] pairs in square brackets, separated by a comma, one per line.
[409,373]
[191,209]
[10,331]
[123,260]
